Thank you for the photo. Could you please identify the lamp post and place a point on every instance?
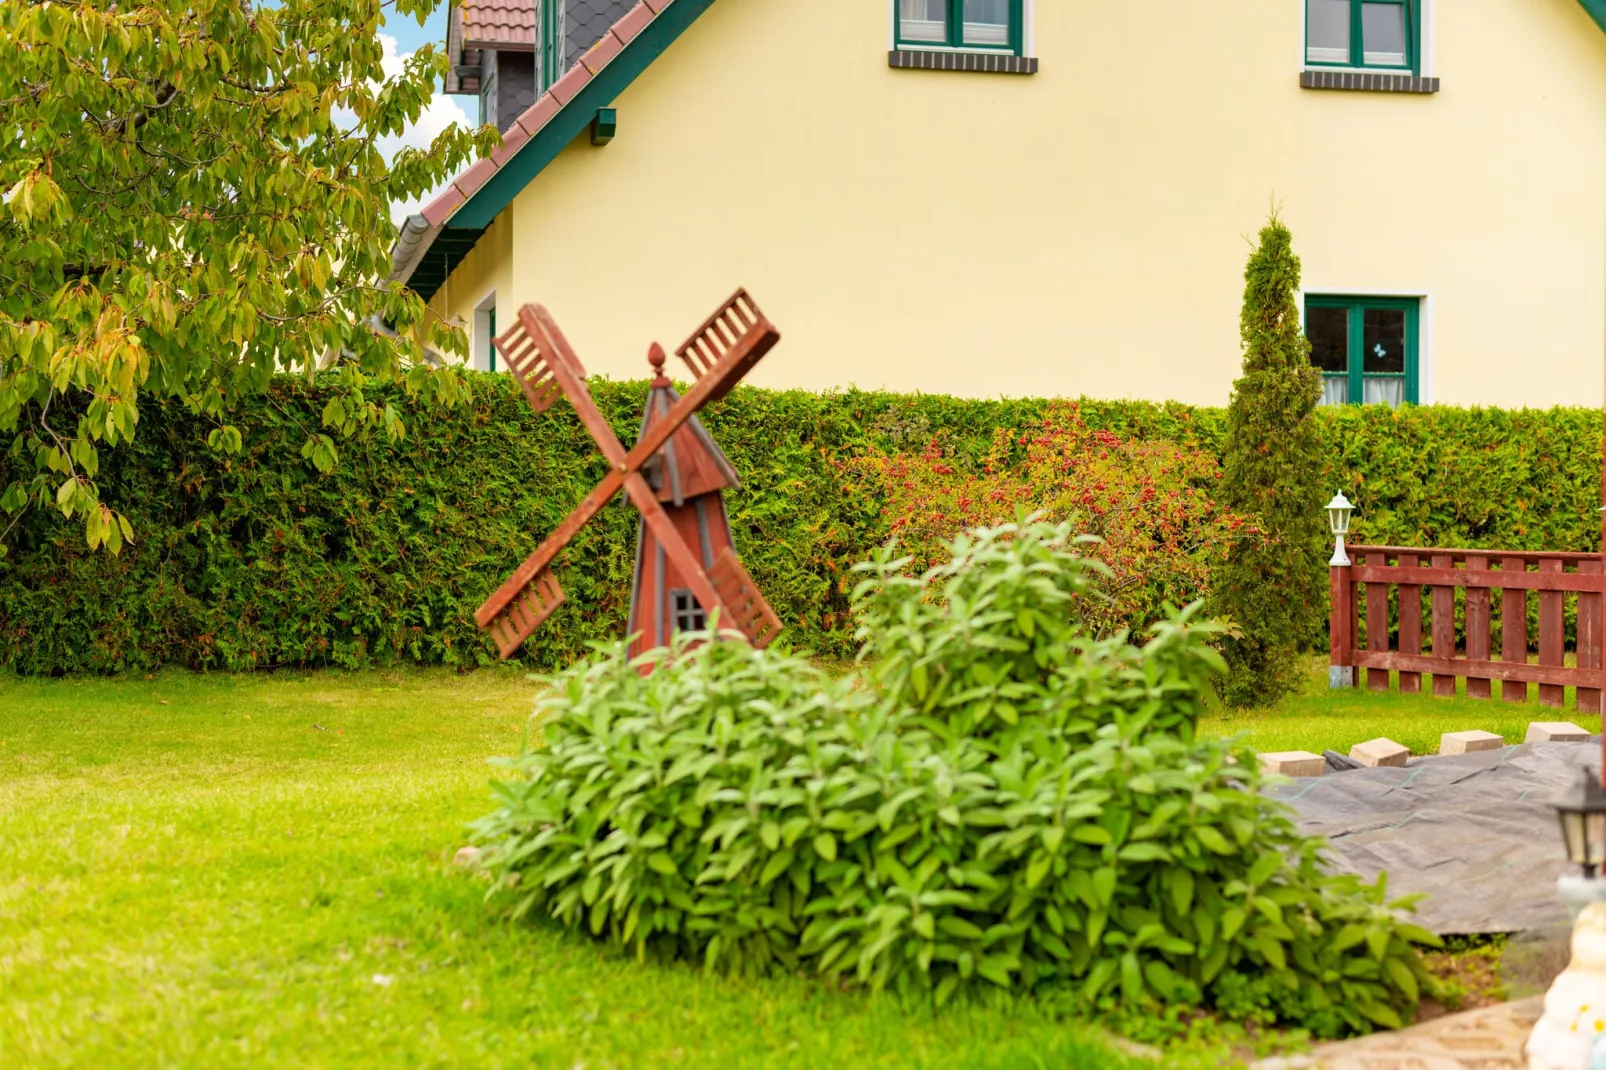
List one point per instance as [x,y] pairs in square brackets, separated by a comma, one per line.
[1338,514]
[1340,619]
[1581,811]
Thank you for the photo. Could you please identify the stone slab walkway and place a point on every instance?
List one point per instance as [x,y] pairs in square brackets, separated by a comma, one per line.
[1487,1039]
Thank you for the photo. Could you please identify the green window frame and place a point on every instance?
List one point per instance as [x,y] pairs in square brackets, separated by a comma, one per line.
[490,347]
[911,31]
[1342,330]
[1338,33]
[549,61]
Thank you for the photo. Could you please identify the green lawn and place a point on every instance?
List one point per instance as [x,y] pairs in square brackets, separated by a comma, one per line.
[254,870]
[1319,719]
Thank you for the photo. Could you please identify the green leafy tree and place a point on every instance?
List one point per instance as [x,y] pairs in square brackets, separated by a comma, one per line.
[1272,584]
[195,198]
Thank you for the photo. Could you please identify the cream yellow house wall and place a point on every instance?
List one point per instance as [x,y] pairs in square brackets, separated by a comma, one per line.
[487,270]
[1082,230]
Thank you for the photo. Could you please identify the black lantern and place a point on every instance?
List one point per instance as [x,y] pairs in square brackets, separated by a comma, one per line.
[1583,822]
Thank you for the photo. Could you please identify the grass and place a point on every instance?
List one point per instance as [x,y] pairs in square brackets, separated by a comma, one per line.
[224,870]
[1318,719]
[255,870]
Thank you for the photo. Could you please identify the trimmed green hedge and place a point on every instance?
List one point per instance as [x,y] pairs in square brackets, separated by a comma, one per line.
[257,560]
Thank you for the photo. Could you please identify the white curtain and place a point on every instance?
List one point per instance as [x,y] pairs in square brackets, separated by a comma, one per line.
[1389,392]
[923,20]
[1335,390]
[1327,31]
[1383,34]
[986,22]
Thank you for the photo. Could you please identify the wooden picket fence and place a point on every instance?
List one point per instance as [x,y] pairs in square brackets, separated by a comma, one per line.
[1461,586]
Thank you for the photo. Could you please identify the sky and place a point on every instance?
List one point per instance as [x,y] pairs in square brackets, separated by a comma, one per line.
[401,36]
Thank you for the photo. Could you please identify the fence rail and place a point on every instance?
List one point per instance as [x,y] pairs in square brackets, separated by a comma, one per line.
[1459,589]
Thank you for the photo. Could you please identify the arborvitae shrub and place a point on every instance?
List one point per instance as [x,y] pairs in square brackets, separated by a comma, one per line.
[1272,586]
[257,559]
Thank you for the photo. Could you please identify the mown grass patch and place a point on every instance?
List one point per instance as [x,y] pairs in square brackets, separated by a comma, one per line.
[255,870]
[1317,719]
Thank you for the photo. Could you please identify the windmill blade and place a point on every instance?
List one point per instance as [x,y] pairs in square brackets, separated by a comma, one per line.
[523,615]
[537,563]
[532,363]
[728,344]
[749,613]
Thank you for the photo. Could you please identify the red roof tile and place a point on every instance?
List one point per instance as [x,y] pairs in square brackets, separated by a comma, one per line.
[598,55]
[499,22]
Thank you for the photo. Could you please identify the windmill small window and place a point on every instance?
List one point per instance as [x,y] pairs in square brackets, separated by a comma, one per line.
[688,615]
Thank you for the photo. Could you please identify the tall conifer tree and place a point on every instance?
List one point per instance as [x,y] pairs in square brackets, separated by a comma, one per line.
[1272,586]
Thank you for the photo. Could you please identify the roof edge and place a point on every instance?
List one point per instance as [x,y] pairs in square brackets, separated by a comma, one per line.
[1597,11]
[602,73]
[412,241]
[474,198]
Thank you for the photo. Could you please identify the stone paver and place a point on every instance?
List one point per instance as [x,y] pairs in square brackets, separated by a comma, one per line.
[1469,742]
[1295,763]
[1555,732]
[1380,752]
[1486,1039]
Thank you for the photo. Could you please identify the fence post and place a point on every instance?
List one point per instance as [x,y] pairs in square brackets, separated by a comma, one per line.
[1340,637]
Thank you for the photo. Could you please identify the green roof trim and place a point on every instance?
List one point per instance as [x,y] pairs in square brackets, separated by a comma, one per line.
[575,118]
[1597,11]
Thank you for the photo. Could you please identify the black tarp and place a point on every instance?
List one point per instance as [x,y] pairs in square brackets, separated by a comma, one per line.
[1476,832]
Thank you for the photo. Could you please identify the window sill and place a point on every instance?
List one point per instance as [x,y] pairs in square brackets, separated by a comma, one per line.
[1366,81]
[945,60]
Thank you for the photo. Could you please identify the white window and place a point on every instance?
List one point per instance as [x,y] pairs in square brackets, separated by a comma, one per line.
[991,25]
[1385,34]
[482,352]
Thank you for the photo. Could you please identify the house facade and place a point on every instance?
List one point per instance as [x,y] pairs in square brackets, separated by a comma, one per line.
[1041,197]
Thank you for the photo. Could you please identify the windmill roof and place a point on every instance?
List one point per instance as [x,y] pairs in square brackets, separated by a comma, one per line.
[691,462]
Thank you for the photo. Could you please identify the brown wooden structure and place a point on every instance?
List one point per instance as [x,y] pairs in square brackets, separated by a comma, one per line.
[674,462]
[1459,588]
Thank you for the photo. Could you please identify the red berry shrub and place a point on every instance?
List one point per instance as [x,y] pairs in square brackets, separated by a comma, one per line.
[1150,506]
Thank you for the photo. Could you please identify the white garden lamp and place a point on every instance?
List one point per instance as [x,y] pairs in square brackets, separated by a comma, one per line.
[1338,513]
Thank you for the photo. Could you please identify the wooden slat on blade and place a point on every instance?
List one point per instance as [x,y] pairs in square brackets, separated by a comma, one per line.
[728,344]
[524,614]
[523,357]
[752,615]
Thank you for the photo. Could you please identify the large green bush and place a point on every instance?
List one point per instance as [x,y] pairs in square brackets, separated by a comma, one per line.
[257,559]
[1046,823]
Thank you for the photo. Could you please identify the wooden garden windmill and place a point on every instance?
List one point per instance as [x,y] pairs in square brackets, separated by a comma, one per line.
[674,462]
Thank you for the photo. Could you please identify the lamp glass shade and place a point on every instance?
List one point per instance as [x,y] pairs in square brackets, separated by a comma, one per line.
[1338,514]
[1582,813]
[1585,839]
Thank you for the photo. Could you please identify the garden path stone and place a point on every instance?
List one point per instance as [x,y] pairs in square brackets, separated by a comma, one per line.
[1469,742]
[1294,763]
[1490,1038]
[1475,832]
[1555,732]
[1380,751]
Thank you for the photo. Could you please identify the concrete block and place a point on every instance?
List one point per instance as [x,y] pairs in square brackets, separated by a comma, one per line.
[1555,732]
[1300,763]
[1380,751]
[1469,742]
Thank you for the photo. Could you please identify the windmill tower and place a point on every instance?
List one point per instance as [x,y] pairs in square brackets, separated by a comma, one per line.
[687,475]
